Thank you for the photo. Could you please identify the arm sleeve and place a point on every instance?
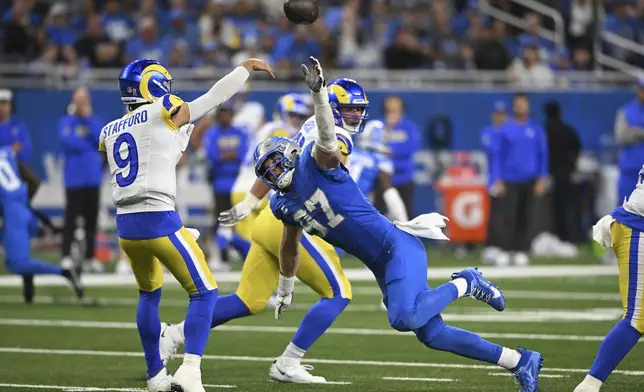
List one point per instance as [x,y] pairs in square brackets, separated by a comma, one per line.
[326,139]
[225,88]
[395,205]
[625,134]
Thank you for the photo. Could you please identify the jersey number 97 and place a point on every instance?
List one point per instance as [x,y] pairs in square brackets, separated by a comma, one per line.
[311,225]
[130,160]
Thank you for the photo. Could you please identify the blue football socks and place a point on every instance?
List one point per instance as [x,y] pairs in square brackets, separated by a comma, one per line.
[317,320]
[149,326]
[619,341]
[229,307]
[197,325]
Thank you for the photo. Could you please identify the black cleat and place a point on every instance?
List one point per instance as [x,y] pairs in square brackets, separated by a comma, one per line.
[28,289]
[74,279]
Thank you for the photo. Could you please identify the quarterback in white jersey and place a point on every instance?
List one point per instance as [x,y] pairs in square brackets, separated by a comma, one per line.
[143,148]
[622,230]
[290,113]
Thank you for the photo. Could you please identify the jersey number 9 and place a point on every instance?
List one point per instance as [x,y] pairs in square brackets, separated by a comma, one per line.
[130,160]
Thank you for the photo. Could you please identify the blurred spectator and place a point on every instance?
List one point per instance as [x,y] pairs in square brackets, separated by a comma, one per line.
[149,8]
[294,50]
[225,147]
[355,49]
[629,133]
[529,71]
[561,60]
[258,47]
[489,51]
[148,44]
[213,58]
[79,132]
[581,60]
[622,23]
[19,40]
[80,19]
[183,32]
[489,142]
[403,138]
[117,24]
[580,26]
[448,53]
[533,34]
[12,131]
[59,39]
[406,52]
[521,170]
[563,151]
[179,56]
[96,49]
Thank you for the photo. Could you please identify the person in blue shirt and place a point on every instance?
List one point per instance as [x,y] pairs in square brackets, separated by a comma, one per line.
[19,225]
[13,132]
[148,44]
[520,171]
[629,133]
[314,193]
[403,139]
[489,136]
[225,146]
[79,133]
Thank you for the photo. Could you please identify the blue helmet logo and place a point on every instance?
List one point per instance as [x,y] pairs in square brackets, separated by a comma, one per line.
[144,81]
[349,104]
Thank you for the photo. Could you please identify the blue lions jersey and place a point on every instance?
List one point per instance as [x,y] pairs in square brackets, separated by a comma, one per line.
[329,204]
[12,188]
[365,167]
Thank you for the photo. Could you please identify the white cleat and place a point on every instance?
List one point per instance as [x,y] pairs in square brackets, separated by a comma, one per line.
[189,379]
[521,259]
[169,341]
[291,370]
[162,382]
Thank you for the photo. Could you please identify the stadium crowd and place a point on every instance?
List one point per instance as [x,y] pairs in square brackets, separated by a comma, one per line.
[207,34]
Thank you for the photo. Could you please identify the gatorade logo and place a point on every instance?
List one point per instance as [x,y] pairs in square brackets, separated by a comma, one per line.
[467,210]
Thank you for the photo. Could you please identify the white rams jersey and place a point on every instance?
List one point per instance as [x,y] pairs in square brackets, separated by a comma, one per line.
[635,202]
[142,149]
[249,117]
[246,177]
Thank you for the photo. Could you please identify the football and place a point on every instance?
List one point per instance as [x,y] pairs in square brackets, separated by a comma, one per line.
[301,11]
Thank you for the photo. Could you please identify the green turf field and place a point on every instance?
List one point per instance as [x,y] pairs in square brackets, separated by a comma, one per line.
[56,344]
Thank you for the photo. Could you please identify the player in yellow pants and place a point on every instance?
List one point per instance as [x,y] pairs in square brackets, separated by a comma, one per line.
[623,230]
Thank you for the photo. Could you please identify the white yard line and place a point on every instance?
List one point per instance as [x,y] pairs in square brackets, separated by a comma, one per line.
[289,330]
[420,379]
[506,374]
[15,350]
[91,389]
[353,274]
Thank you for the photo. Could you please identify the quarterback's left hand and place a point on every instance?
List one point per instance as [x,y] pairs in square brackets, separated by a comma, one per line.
[314,78]
[284,295]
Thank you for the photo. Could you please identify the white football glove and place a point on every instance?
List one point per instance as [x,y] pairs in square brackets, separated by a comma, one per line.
[194,233]
[284,295]
[314,78]
[239,211]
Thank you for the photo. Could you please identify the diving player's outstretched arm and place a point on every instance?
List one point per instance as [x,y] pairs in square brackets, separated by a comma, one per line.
[327,154]
[289,260]
[241,210]
[225,88]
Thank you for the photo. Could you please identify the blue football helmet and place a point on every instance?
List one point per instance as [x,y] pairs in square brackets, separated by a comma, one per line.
[373,138]
[275,160]
[346,94]
[144,81]
[290,104]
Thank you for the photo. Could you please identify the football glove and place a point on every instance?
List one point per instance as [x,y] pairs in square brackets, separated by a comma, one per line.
[284,294]
[239,211]
[314,78]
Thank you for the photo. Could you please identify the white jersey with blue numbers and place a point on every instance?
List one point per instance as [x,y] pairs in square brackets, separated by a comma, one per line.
[366,166]
[247,177]
[142,150]
[635,202]
[309,132]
